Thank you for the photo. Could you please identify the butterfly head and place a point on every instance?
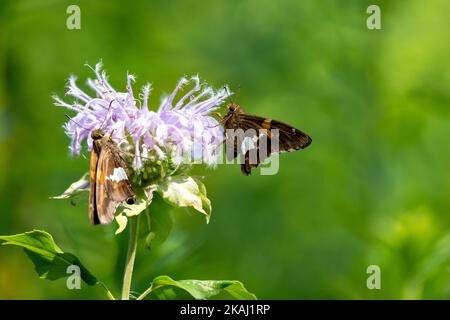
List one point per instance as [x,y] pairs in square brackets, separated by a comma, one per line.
[97,134]
[233,108]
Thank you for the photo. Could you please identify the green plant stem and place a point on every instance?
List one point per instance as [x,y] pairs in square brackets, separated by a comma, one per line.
[108,293]
[146,293]
[131,255]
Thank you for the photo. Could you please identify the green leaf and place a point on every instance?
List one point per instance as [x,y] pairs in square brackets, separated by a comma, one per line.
[184,191]
[206,203]
[76,188]
[122,221]
[131,210]
[159,222]
[199,289]
[134,209]
[49,260]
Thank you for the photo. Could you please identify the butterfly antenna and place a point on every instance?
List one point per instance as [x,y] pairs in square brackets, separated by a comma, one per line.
[107,112]
[71,119]
[228,95]
[237,93]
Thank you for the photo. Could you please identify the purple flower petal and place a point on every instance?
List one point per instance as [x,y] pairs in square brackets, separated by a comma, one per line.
[178,127]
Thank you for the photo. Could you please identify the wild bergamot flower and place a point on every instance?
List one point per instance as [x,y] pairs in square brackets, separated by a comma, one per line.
[160,145]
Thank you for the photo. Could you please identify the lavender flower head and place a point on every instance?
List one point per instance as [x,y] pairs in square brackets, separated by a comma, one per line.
[160,146]
[181,130]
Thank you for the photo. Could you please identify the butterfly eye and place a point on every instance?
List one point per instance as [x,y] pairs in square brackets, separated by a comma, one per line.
[231,108]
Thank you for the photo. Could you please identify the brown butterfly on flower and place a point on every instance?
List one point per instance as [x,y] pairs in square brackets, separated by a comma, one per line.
[260,130]
[109,184]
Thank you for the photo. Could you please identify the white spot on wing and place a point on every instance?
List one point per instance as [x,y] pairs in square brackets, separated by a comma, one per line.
[119,174]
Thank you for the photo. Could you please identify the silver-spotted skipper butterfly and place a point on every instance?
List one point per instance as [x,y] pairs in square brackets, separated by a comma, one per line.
[109,184]
[289,138]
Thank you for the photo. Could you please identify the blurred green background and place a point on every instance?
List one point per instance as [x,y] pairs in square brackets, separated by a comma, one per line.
[373,188]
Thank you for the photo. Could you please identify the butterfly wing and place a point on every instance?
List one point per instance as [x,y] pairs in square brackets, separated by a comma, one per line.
[251,126]
[111,184]
[289,138]
[117,184]
[93,215]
